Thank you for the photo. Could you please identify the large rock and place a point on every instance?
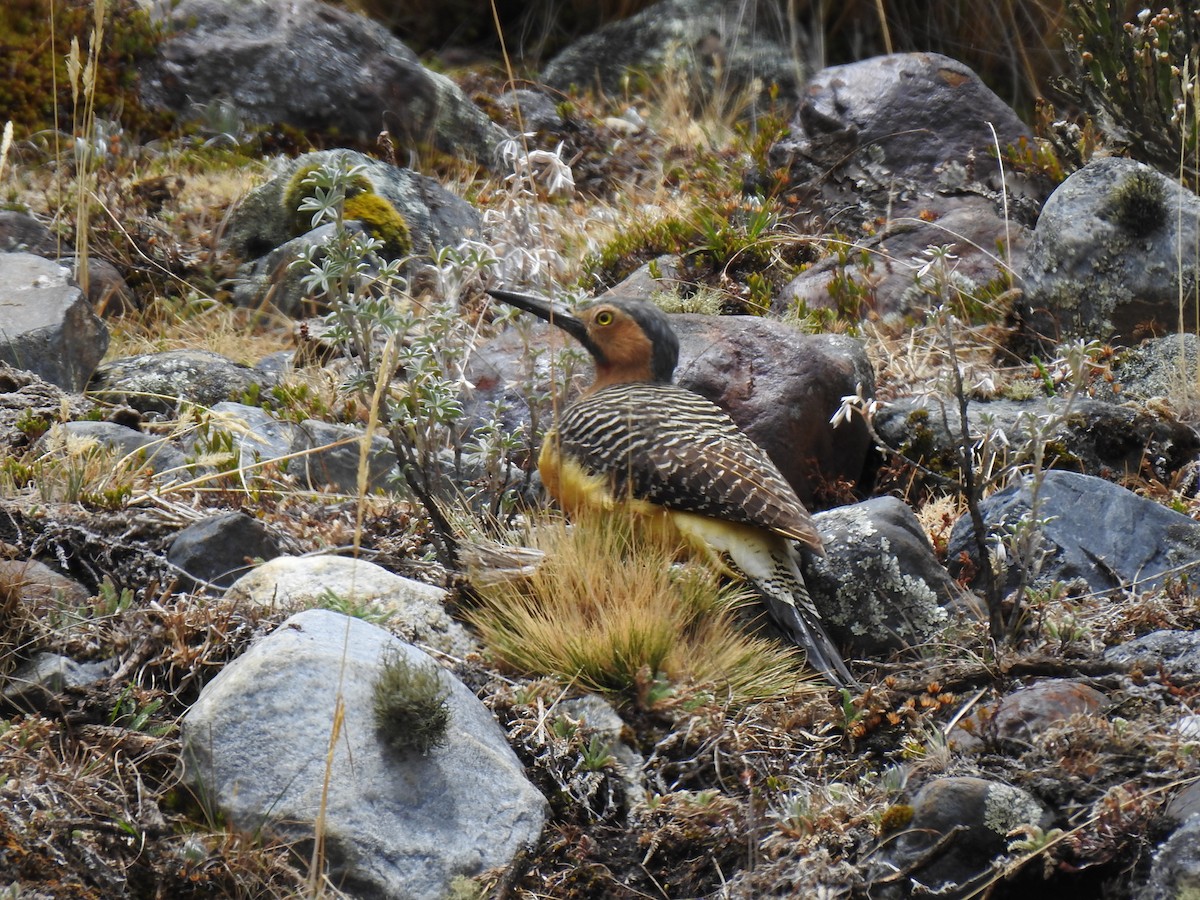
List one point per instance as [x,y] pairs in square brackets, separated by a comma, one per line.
[714,48]
[156,383]
[412,609]
[902,146]
[879,588]
[315,67]
[434,217]
[1108,253]
[1090,529]
[891,131]
[780,386]
[48,326]
[257,747]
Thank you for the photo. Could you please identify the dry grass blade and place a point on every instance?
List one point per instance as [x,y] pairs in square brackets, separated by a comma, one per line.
[606,607]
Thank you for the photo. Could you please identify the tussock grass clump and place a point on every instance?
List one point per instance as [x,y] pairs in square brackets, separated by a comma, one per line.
[410,705]
[610,611]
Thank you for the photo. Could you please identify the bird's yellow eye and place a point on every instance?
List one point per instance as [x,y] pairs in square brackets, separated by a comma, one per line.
[604,317]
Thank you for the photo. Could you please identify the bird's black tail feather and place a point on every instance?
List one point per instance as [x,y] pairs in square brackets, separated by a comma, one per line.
[812,637]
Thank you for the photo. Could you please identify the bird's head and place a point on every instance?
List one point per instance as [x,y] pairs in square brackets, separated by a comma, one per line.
[630,340]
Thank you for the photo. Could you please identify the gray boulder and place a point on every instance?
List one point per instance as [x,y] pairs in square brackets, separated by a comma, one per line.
[887,134]
[321,454]
[716,48]
[106,290]
[1095,437]
[315,67]
[415,611]
[1105,261]
[217,550]
[1176,651]
[983,811]
[879,587]
[396,824]
[156,383]
[49,328]
[1092,530]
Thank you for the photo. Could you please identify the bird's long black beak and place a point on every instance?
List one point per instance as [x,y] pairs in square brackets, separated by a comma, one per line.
[551,311]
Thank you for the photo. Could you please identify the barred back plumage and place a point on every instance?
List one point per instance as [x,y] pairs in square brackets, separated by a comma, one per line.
[674,448]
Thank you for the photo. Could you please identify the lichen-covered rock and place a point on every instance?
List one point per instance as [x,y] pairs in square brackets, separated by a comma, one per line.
[408,212]
[156,383]
[879,587]
[730,46]
[311,66]
[1105,261]
[433,216]
[27,400]
[256,746]
[984,811]
[1155,368]
[1175,873]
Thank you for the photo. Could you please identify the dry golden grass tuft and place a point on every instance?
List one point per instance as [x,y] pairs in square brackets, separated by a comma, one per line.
[608,610]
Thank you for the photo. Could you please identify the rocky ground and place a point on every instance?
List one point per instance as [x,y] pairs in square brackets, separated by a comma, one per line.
[222,531]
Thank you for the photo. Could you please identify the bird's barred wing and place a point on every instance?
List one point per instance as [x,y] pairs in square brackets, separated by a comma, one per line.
[676,449]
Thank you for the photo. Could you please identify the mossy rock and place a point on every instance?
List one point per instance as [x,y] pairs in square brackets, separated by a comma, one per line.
[297,191]
[382,221]
[376,213]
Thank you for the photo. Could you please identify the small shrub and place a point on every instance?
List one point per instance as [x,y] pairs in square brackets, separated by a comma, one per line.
[411,708]
[1136,77]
